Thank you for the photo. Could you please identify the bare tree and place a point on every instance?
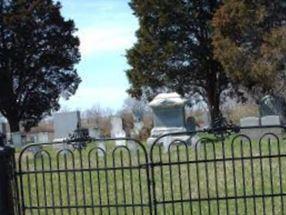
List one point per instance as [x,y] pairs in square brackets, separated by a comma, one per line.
[137,107]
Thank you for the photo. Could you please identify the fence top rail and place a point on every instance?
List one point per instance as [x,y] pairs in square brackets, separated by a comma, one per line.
[234,129]
[218,130]
[87,140]
[70,142]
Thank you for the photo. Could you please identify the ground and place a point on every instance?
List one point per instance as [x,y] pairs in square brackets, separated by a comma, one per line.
[225,177]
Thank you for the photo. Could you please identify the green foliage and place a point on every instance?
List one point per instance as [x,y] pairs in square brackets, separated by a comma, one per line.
[174,51]
[249,41]
[38,52]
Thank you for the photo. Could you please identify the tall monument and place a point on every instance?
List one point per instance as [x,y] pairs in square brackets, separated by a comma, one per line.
[169,117]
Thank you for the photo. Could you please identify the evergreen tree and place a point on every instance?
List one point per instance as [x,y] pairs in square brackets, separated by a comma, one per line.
[38,51]
[250,42]
[174,51]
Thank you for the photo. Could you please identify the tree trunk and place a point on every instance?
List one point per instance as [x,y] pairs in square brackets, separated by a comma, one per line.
[213,95]
[214,103]
[13,123]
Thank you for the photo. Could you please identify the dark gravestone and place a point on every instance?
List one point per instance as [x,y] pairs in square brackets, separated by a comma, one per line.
[191,124]
[273,105]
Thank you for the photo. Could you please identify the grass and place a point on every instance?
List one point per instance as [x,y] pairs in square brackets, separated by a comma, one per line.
[219,177]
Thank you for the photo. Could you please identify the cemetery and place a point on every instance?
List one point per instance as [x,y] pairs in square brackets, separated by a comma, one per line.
[108,173]
[181,168]
[242,172]
[142,107]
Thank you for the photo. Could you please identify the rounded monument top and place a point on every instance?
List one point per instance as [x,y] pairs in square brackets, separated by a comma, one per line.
[167,100]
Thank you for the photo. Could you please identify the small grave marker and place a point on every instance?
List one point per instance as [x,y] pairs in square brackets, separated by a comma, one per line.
[117,131]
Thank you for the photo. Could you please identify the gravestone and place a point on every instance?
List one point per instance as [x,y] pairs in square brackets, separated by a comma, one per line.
[65,124]
[43,137]
[169,117]
[101,144]
[249,121]
[35,149]
[3,128]
[257,133]
[191,124]
[252,133]
[3,131]
[117,130]
[273,105]
[40,137]
[17,140]
[272,120]
[166,142]
[136,130]
[94,133]
[102,148]
[134,134]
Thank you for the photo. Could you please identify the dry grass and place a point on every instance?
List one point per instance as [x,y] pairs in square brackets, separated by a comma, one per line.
[241,110]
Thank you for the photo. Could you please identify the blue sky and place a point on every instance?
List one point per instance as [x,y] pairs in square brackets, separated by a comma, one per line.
[106,28]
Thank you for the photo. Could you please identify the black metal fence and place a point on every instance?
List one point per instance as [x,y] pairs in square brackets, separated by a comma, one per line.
[8,182]
[59,179]
[243,173]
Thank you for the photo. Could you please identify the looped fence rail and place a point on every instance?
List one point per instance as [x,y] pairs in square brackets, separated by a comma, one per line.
[236,174]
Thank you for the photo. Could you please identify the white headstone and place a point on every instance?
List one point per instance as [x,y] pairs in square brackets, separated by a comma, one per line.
[167,140]
[117,130]
[135,132]
[16,138]
[94,133]
[257,133]
[41,137]
[138,127]
[272,120]
[252,133]
[102,147]
[249,121]
[66,123]
[132,146]
[195,141]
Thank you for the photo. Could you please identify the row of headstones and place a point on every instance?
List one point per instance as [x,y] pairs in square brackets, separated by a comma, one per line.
[117,132]
[169,117]
[271,120]
[72,119]
[257,130]
[66,123]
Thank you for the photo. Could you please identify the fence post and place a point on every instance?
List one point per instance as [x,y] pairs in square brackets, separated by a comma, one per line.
[8,185]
